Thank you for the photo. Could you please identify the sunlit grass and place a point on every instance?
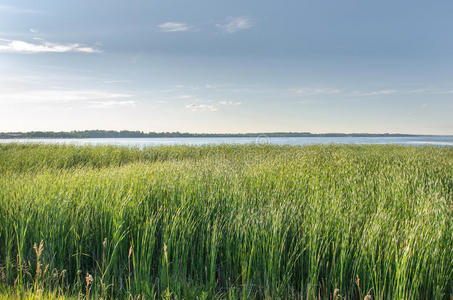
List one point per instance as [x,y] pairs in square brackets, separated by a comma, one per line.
[226,222]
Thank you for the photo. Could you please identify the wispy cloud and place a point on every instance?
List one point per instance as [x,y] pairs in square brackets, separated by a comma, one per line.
[173,27]
[59,96]
[183,97]
[201,107]
[16,46]
[374,93]
[17,10]
[186,87]
[317,91]
[111,104]
[236,24]
[116,81]
[429,91]
[358,93]
[230,103]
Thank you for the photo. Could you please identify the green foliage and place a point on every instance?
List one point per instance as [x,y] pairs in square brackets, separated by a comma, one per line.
[226,222]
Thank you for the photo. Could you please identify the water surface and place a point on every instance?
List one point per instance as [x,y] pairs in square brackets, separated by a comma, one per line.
[143,142]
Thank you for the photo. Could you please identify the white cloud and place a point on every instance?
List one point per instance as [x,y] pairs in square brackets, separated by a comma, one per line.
[184,97]
[110,104]
[116,81]
[424,105]
[173,27]
[230,103]
[374,93]
[236,24]
[430,91]
[323,91]
[201,107]
[187,87]
[17,10]
[16,46]
[58,96]
[438,91]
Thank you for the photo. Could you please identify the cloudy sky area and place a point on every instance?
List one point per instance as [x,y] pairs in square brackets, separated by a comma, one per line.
[227,66]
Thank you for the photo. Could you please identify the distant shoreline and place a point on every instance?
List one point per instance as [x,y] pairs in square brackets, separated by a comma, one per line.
[88,134]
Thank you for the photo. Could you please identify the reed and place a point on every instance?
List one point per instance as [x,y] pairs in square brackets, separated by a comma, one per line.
[230,222]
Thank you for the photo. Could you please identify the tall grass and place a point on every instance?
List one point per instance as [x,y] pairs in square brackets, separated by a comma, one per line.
[234,222]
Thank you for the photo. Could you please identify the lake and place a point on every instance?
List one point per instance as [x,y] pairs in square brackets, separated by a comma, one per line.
[144,142]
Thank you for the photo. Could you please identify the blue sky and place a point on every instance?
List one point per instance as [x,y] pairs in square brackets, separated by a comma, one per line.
[227,66]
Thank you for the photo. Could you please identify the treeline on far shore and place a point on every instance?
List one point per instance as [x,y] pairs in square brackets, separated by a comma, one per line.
[141,134]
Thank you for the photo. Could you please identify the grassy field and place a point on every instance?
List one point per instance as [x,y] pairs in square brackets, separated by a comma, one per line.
[233,222]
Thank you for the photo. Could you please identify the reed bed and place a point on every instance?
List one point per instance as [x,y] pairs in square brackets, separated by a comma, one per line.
[226,222]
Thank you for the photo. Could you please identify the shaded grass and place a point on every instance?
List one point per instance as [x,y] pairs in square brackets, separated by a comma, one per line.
[227,221]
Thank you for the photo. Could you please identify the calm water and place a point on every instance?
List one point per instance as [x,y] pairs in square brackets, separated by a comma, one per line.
[143,142]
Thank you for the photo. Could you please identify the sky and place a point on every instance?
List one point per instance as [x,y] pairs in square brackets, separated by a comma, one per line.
[212,66]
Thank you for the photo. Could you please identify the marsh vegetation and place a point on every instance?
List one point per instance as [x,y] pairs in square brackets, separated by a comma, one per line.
[234,222]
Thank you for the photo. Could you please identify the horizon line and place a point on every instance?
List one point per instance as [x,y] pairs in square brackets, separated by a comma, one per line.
[218,133]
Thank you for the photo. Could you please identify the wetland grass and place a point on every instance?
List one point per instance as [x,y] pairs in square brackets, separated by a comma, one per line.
[230,222]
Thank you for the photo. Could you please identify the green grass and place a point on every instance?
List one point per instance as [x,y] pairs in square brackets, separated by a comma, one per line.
[234,222]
